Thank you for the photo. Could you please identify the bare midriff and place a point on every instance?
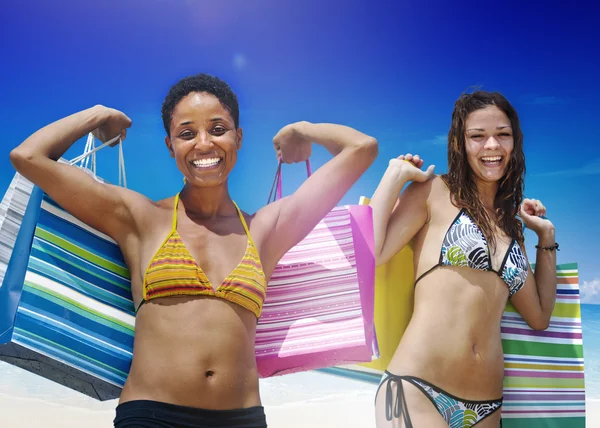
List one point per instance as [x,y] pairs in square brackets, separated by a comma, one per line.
[194,351]
[453,339]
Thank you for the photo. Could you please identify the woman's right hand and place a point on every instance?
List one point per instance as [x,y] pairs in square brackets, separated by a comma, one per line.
[409,167]
[115,123]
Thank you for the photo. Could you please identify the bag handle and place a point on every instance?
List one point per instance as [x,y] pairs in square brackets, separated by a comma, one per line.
[89,152]
[277,182]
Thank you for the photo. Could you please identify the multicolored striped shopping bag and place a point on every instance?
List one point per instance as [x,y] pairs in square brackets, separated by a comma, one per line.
[65,305]
[320,299]
[544,376]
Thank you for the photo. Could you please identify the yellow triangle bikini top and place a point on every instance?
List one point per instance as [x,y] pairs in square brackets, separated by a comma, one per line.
[174,272]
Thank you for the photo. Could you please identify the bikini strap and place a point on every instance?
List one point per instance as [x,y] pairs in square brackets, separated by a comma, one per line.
[243,220]
[175,205]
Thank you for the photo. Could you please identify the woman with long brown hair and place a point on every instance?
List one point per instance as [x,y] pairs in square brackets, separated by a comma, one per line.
[469,258]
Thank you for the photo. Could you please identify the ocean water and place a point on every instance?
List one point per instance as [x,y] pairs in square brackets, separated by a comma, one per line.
[305,387]
[590,321]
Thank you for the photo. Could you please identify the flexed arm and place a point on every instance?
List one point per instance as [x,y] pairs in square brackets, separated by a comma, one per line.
[535,301]
[295,216]
[102,206]
[396,220]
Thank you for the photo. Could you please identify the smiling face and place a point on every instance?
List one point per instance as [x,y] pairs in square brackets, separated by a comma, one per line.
[489,143]
[203,139]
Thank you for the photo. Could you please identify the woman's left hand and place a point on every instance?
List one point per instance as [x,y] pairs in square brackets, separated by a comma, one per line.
[531,212]
[291,144]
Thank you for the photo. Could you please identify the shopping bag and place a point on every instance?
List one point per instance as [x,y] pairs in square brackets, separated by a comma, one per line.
[543,370]
[65,304]
[319,306]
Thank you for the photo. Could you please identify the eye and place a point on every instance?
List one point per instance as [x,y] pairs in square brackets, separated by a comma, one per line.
[476,136]
[186,135]
[219,130]
[505,134]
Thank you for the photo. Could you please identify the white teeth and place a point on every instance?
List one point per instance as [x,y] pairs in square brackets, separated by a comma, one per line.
[204,163]
[492,159]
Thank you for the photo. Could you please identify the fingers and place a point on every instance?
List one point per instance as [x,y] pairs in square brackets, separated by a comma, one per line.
[414,159]
[427,174]
[126,121]
[293,154]
[533,207]
[430,171]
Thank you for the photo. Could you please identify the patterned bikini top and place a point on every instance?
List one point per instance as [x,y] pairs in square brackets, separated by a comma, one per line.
[174,272]
[465,245]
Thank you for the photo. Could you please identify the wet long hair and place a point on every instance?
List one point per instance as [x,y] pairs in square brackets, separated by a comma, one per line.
[459,178]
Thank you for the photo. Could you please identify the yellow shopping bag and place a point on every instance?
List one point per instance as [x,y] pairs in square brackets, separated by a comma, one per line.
[394,302]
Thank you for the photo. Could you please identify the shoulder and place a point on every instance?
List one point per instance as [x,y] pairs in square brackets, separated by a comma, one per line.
[439,191]
[427,190]
[437,196]
[144,211]
[141,205]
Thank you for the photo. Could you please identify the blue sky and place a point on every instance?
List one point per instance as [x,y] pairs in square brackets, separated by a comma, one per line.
[392,71]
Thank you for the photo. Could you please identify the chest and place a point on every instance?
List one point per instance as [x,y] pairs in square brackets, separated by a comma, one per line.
[455,239]
[216,248]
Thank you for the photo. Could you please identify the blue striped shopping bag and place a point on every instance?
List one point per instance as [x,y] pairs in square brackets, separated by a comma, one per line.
[66,311]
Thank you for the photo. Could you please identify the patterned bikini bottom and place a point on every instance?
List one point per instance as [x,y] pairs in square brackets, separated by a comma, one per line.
[457,412]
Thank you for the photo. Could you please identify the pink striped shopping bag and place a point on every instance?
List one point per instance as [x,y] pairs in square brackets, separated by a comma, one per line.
[320,299]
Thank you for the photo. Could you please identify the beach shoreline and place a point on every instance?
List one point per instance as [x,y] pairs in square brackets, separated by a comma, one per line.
[20,412]
[307,399]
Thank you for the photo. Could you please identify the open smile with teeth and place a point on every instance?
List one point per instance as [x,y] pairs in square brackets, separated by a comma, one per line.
[206,163]
[491,160]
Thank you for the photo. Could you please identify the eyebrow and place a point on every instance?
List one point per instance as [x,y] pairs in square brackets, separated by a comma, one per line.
[481,130]
[189,122]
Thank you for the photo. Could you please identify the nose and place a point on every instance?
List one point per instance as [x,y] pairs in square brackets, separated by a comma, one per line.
[491,143]
[203,141]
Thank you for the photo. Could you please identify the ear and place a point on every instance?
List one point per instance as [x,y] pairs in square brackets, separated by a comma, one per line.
[240,137]
[169,146]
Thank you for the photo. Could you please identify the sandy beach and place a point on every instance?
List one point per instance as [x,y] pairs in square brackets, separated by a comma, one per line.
[35,413]
[309,399]
[358,412]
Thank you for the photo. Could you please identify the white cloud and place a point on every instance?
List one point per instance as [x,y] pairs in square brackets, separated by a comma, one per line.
[591,168]
[239,61]
[438,140]
[590,291]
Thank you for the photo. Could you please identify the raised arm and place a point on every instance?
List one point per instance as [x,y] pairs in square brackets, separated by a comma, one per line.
[535,301]
[295,216]
[396,219]
[101,206]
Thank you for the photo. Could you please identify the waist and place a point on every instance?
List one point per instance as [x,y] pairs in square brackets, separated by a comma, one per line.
[460,367]
[197,353]
[453,339]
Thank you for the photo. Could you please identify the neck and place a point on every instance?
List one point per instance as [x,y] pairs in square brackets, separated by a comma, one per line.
[207,202]
[487,193]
